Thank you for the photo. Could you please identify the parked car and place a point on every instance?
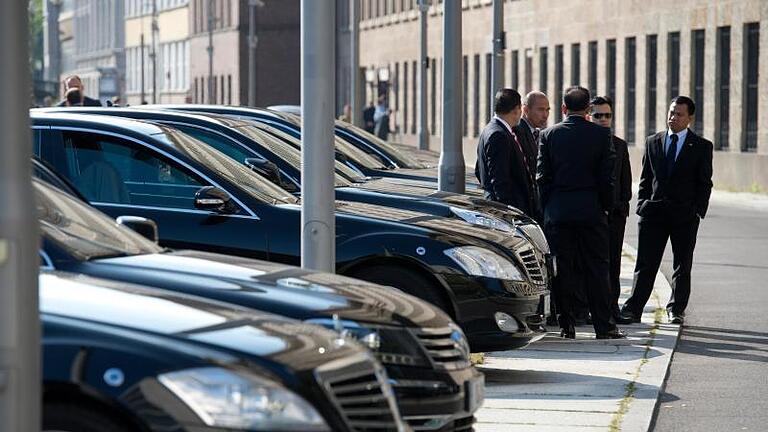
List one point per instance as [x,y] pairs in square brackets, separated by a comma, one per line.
[201,199]
[383,159]
[120,357]
[426,354]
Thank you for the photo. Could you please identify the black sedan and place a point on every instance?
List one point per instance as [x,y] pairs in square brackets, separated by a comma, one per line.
[119,357]
[426,353]
[202,199]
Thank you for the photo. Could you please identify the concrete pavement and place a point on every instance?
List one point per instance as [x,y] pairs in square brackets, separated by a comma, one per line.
[586,384]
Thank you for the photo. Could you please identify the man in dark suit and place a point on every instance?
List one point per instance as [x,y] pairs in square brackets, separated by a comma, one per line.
[501,167]
[535,115]
[575,177]
[74,92]
[601,113]
[675,185]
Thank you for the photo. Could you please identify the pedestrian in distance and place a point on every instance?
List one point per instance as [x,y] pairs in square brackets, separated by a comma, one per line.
[74,93]
[675,185]
[501,166]
[575,177]
[601,113]
[535,114]
[368,117]
[381,119]
[346,114]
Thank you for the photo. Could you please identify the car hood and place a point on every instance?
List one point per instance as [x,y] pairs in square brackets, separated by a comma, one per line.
[434,172]
[191,319]
[286,290]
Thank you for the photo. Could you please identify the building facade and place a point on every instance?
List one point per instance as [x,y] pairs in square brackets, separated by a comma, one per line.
[226,24]
[639,52]
[157,56]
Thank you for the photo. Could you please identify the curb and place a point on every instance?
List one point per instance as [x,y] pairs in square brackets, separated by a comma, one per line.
[653,372]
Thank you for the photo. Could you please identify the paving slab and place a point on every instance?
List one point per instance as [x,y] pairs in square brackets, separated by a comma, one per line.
[584,384]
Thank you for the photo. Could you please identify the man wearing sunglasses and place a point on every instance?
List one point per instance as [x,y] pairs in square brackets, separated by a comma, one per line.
[601,113]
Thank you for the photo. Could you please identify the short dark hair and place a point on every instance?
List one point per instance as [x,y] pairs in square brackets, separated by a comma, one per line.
[685,100]
[602,100]
[506,100]
[576,98]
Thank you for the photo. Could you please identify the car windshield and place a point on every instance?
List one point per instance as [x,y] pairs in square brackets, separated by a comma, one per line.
[82,230]
[231,170]
[288,148]
[407,160]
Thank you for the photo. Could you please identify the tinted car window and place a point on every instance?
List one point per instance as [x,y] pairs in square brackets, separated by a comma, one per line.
[403,158]
[82,230]
[113,170]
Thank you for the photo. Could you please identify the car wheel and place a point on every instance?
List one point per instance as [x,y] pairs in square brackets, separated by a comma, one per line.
[404,279]
[59,417]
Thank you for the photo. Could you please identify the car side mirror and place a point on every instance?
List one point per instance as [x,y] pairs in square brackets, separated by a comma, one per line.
[270,171]
[146,228]
[213,199]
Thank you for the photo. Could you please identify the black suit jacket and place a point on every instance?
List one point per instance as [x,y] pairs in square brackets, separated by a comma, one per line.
[683,194]
[575,172]
[622,174]
[529,144]
[501,168]
[86,102]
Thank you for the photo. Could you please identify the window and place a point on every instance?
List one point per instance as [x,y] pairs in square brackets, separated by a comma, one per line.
[488,87]
[433,95]
[112,170]
[558,80]
[229,89]
[610,69]
[396,87]
[592,67]
[575,64]
[514,66]
[697,77]
[529,73]
[476,96]
[222,89]
[405,97]
[673,65]
[414,82]
[543,69]
[465,95]
[722,95]
[630,76]
[651,58]
[751,56]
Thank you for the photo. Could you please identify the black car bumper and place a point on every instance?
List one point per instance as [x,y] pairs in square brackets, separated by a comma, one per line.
[481,303]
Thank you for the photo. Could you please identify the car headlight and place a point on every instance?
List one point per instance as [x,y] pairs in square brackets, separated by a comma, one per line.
[478,261]
[226,399]
[483,219]
[458,336]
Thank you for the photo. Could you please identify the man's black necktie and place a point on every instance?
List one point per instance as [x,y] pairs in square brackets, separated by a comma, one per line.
[671,153]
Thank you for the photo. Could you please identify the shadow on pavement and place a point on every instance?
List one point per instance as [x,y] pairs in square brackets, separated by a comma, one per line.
[725,343]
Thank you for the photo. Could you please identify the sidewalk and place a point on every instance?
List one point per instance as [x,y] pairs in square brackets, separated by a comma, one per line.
[586,384]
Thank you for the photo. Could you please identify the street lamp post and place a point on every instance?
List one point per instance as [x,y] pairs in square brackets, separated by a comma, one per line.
[424,64]
[354,60]
[451,165]
[20,380]
[498,46]
[155,29]
[253,42]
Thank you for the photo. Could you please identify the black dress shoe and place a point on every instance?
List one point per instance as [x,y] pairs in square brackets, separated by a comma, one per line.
[627,317]
[568,333]
[676,318]
[613,334]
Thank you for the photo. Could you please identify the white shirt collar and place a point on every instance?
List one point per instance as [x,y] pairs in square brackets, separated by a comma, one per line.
[680,140]
[504,122]
[527,123]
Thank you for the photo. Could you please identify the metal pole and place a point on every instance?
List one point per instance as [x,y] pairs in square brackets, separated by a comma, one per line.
[498,47]
[253,42]
[424,62]
[20,380]
[154,51]
[211,20]
[143,85]
[318,228]
[356,100]
[451,166]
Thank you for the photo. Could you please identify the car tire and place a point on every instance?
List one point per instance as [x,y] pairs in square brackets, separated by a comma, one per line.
[62,417]
[404,279]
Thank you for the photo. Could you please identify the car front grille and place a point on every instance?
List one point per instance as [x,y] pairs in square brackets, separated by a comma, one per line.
[536,235]
[536,269]
[442,348]
[458,425]
[363,396]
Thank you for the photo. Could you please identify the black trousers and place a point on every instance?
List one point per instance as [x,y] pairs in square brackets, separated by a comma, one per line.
[652,240]
[616,224]
[582,254]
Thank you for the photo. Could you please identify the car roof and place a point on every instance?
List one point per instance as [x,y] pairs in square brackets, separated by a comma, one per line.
[59,118]
[157,115]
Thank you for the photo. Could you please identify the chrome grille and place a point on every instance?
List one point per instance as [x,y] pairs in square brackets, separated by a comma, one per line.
[537,271]
[442,349]
[362,395]
[536,235]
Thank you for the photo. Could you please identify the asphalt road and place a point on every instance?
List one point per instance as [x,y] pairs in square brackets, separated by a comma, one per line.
[718,380]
